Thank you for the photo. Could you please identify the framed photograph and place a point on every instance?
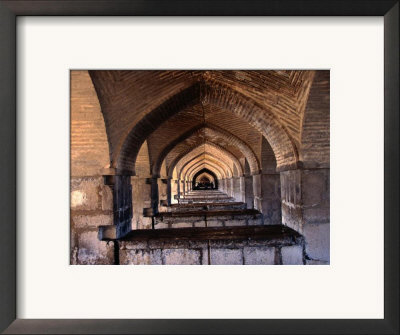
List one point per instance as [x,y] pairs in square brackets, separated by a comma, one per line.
[199,167]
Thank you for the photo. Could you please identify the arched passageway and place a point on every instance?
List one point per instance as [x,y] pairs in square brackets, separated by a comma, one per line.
[205,179]
[153,150]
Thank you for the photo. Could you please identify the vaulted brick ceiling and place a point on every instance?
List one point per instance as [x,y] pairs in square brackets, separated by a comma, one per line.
[162,106]
[207,153]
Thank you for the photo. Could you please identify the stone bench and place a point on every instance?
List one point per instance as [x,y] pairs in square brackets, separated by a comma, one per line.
[215,218]
[207,200]
[206,206]
[262,245]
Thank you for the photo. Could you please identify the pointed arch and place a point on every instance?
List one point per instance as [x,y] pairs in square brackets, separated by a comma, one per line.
[208,172]
[260,118]
[213,131]
[224,169]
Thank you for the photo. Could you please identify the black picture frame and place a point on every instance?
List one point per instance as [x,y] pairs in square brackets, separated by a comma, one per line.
[9,10]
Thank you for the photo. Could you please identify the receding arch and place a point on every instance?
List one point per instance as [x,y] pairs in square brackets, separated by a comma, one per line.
[203,167]
[205,171]
[192,161]
[207,166]
[224,169]
[206,175]
[125,158]
[213,131]
[225,152]
[262,119]
[207,148]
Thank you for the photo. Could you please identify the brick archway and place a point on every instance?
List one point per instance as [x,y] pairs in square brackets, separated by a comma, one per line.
[211,131]
[262,119]
[203,172]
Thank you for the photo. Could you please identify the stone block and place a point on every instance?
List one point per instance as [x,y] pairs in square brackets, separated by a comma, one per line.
[317,238]
[204,256]
[292,255]
[155,244]
[193,244]
[314,262]
[160,225]
[221,218]
[93,251]
[183,225]
[230,223]
[273,216]
[81,221]
[317,214]
[255,222]
[85,193]
[176,244]
[226,256]
[181,257]
[315,186]
[214,223]
[106,198]
[145,223]
[259,255]
[140,257]
[222,244]
[270,186]
[292,216]
[200,224]
[74,256]
[132,245]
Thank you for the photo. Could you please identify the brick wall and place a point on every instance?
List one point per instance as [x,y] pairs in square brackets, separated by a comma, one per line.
[91,200]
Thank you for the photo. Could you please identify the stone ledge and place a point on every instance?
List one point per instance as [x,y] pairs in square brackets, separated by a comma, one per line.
[232,212]
[278,233]
[207,204]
